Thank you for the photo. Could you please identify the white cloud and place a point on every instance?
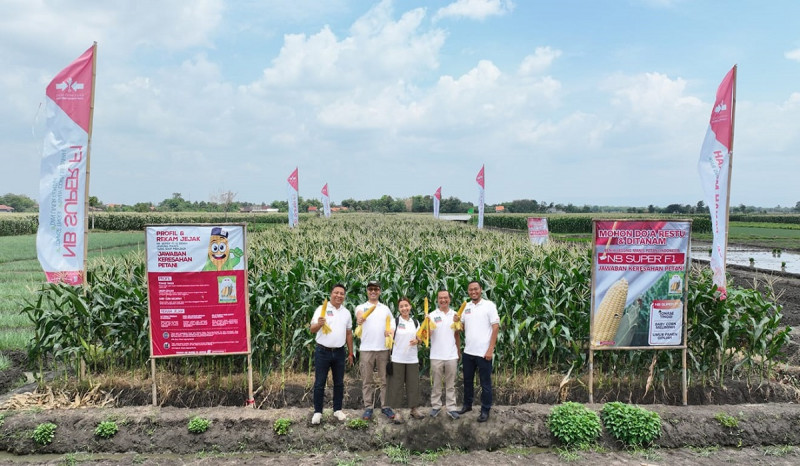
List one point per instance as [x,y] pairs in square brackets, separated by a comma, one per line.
[793,55]
[541,59]
[475,9]
[653,99]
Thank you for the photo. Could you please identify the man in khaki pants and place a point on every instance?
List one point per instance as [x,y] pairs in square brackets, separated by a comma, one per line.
[445,352]
[372,351]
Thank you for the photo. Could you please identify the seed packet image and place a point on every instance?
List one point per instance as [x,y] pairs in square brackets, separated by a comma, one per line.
[227,289]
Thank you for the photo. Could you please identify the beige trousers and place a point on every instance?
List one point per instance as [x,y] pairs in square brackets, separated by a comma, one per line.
[370,362]
[444,373]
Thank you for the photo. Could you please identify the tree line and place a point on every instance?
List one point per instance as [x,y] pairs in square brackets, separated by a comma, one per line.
[226,202]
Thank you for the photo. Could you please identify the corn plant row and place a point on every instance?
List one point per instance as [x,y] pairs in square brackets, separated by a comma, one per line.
[542,293]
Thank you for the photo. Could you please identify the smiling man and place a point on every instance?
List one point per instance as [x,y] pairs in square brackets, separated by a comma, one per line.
[373,352]
[481,324]
[329,354]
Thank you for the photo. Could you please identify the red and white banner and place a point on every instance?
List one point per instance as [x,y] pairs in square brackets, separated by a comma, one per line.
[197,290]
[292,183]
[437,200]
[537,230]
[481,188]
[63,184]
[326,201]
[715,170]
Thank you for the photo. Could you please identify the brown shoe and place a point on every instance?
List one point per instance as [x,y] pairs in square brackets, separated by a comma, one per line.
[416,414]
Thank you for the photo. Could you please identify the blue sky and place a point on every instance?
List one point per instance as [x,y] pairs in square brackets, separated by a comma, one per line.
[587,102]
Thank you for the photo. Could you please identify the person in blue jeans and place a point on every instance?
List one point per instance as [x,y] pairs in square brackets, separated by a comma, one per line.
[481,324]
[329,354]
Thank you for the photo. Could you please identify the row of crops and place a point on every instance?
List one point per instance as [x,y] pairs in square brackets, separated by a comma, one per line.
[542,294]
[26,224]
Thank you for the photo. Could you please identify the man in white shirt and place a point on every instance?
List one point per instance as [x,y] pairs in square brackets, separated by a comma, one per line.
[445,352]
[481,324]
[373,352]
[329,352]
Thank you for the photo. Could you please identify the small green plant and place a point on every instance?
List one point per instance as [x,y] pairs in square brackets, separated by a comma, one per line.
[282,426]
[397,454]
[726,420]
[705,452]
[568,454]
[357,424]
[573,424]
[198,425]
[632,425]
[778,450]
[106,429]
[44,433]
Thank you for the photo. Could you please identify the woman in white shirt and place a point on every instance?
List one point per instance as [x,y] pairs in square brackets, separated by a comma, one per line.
[404,379]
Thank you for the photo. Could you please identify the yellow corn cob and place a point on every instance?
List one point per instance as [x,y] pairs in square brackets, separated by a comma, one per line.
[326,329]
[359,327]
[423,333]
[609,314]
[459,325]
[389,339]
[431,324]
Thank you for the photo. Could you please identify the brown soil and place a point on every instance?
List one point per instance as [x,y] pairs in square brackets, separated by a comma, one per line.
[516,433]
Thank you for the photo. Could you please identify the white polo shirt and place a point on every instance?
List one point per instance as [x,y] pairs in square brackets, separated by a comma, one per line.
[372,331]
[403,351]
[339,321]
[478,320]
[443,340]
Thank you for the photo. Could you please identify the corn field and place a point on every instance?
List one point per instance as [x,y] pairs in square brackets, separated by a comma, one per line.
[542,294]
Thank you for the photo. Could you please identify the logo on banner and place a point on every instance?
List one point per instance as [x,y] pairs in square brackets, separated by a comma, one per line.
[69,90]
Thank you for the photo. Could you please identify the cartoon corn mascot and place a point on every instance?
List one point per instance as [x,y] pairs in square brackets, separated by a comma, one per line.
[220,256]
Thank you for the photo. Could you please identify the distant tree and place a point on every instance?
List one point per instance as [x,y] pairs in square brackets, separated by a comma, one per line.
[175,204]
[20,202]
[675,209]
[797,207]
[422,203]
[282,206]
[225,200]
[523,206]
[701,208]
[95,202]
[142,207]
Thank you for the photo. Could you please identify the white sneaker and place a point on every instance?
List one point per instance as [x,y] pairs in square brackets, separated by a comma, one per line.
[316,418]
[340,415]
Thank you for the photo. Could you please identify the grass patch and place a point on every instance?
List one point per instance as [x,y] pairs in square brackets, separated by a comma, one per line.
[397,454]
[704,452]
[18,338]
[778,450]
[5,363]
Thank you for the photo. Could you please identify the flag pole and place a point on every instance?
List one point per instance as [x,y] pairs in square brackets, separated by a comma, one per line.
[88,165]
[730,167]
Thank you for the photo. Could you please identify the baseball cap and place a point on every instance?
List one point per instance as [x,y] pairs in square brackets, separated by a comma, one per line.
[374,283]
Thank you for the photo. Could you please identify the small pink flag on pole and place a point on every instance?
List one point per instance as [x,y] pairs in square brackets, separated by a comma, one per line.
[481,189]
[294,216]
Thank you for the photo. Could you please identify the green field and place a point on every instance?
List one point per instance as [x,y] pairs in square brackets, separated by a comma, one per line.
[763,235]
[21,275]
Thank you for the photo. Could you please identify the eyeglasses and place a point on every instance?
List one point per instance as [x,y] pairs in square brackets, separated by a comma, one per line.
[373,289]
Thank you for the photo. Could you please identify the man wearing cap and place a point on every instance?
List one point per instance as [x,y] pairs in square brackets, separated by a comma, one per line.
[373,352]
[445,344]
[329,353]
[481,324]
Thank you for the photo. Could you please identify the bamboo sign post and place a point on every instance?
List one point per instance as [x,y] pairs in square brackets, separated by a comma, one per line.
[639,289]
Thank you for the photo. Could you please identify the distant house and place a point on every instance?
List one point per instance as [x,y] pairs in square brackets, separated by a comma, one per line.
[6,208]
[312,208]
[498,209]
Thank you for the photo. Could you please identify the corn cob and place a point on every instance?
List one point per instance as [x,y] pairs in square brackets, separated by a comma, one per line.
[326,329]
[359,327]
[431,324]
[423,333]
[459,325]
[609,313]
[389,339]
